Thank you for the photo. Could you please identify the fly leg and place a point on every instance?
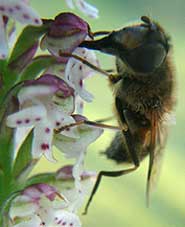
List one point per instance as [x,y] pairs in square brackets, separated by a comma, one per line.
[106,174]
[129,141]
[126,118]
[130,123]
[90,123]
[114,78]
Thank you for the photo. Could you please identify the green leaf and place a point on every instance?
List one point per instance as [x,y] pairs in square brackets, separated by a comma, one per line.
[7,97]
[7,137]
[4,209]
[37,65]
[6,75]
[24,163]
[47,178]
[6,151]
[29,36]
[1,181]
[23,60]
[3,66]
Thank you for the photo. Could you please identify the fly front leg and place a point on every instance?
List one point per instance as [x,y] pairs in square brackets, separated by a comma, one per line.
[89,123]
[113,78]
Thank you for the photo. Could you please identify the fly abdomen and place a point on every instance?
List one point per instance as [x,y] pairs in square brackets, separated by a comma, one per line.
[117,150]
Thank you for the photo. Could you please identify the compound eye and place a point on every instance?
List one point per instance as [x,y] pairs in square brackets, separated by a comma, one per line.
[146,58]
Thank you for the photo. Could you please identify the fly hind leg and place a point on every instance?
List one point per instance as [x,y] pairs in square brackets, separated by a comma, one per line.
[127,145]
[106,174]
[123,148]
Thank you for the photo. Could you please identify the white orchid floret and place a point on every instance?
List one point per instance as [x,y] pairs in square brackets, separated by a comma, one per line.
[83,6]
[29,197]
[65,33]
[35,200]
[61,218]
[43,205]
[76,148]
[20,11]
[76,72]
[41,110]
[29,221]
[73,147]
[67,185]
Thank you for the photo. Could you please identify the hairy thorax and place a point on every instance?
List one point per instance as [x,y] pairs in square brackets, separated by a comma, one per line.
[146,93]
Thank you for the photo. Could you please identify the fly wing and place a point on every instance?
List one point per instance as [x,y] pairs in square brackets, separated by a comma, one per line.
[156,151]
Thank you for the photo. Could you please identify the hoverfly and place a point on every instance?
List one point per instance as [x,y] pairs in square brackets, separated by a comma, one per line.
[143,90]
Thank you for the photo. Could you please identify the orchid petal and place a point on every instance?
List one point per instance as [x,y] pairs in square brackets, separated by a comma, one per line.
[20,135]
[46,211]
[3,41]
[32,193]
[79,105]
[26,117]
[35,91]
[70,4]
[87,8]
[83,93]
[76,72]
[32,221]
[22,206]
[60,119]
[20,11]
[65,44]
[75,196]
[42,141]
[66,105]
[73,147]
[46,86]
[68,219]
[90,56]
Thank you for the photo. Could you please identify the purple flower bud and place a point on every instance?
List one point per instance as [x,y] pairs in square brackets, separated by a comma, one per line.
[66,32]
[67,24]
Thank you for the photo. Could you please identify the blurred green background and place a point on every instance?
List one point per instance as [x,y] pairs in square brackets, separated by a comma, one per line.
[121,201]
